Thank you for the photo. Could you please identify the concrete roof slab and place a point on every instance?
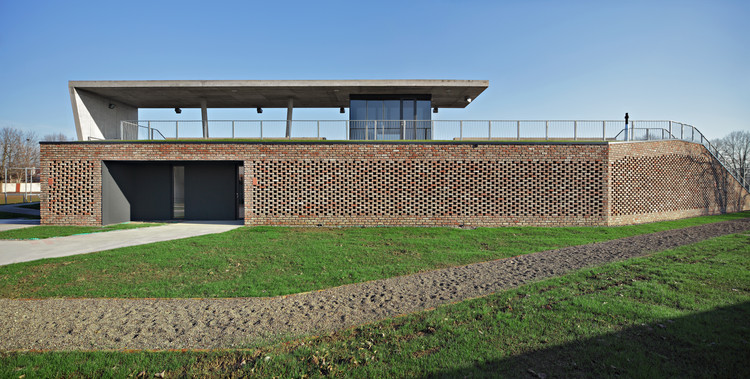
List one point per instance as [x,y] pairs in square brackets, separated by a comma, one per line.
[275,93]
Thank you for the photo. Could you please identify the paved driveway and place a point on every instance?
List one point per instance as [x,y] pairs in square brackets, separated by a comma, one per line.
[23,251]
[16,223]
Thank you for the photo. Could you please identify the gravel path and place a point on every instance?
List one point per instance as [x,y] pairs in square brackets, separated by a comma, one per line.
[93,324]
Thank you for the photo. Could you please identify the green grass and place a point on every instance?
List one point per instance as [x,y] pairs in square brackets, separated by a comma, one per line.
[15,198]
[7,215]
[324,141]
[679,313]
[49,231]
[270,261]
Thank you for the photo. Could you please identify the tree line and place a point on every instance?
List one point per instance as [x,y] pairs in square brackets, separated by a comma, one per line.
[20,149]
[735,149]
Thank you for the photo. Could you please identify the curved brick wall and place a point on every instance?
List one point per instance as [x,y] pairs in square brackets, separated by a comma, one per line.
[665,180]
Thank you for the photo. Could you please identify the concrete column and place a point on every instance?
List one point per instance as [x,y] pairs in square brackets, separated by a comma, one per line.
[289,108]
[204,118]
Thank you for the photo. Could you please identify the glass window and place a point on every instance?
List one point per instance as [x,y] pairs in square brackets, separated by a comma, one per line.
[408,106]
[358,109]
[391,126]
[423,109]
[374,113]
[374,109]
[423,125]
[390,119]
[178,194]
[391,110]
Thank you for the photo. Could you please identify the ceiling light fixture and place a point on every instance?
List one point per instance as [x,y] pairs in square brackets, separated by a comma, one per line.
[177,110]
[259,110]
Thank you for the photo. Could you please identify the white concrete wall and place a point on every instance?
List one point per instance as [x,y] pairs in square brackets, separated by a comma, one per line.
[12,187]
[95,120]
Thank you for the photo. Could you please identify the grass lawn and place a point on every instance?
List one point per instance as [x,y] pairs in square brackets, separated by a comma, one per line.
[270,261]
[49,231]
[380,142]
[17,198]
[679,313]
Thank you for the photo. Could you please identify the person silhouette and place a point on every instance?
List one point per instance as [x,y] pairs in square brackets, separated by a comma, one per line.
[626,125]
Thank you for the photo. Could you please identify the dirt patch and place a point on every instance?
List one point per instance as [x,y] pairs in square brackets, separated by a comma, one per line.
[93,324]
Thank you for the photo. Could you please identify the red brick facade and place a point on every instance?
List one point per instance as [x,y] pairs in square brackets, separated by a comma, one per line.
[421,184]
[667,180]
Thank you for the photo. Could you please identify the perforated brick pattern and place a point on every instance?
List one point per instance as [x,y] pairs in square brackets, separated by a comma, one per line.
[659,184]
[73,193]
[654,181]
[426,192]
[423,184]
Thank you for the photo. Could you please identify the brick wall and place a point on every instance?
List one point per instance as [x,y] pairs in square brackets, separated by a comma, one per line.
[426,184]
[71,191]
[666,180]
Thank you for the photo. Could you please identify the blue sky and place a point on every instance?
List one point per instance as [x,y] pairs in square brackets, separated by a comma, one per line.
[682,60]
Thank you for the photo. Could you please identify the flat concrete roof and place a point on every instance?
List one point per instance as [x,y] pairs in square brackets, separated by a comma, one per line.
[275,93]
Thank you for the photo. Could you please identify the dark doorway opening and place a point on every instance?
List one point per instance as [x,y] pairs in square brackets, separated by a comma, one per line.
[147,191]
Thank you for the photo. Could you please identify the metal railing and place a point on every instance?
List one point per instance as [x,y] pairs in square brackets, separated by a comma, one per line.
[542,130]
[603,130]
[376,129]
[683,132]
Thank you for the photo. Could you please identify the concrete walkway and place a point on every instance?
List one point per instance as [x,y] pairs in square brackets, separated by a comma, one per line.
[23,251]
[16,223]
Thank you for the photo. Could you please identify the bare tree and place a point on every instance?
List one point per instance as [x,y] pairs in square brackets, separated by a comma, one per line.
[18,149]
[735,149]
[54,137]
[10,138]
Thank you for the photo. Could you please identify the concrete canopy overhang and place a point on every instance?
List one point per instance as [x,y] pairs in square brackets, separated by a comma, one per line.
[274,93]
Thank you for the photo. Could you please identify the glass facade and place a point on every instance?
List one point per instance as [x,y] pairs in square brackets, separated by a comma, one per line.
[390,118]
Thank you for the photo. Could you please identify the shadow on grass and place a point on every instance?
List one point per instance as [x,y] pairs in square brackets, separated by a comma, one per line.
[708,344]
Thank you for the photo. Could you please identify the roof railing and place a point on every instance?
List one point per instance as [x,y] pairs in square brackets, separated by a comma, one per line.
[466,130]
[604,130]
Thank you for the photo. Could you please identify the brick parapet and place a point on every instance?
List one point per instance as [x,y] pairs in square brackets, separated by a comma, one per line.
[470,184]
[422,184]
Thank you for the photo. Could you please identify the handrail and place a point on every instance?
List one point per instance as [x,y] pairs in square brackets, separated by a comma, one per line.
[603,130]
[715,153]
[377,129]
